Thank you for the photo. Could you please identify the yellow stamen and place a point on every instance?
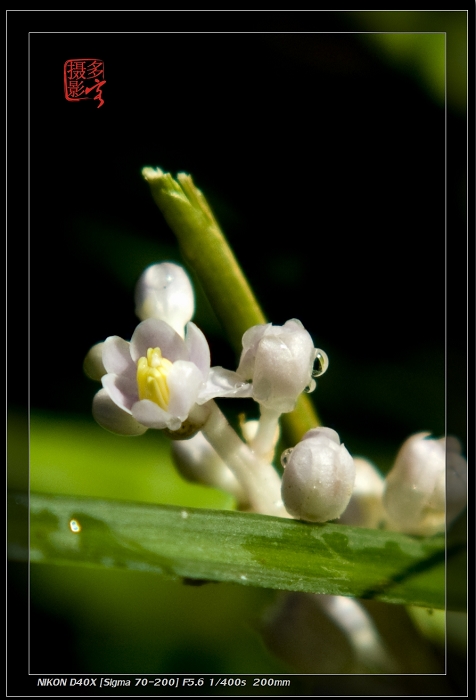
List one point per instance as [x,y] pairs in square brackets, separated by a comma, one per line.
[152,374]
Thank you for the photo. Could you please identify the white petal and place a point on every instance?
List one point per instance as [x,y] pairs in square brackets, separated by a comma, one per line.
[184,381]
[328,432]
[251,339]
[122,390]
[293,325]
[253,335]
[150,414]
[157,334]
[164,292]
[116,356]
[198,348]
[224,383]
[113,418]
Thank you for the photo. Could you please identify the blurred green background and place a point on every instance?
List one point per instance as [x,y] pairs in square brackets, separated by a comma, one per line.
[323,155]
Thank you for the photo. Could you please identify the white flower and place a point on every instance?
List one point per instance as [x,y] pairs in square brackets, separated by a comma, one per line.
[165,292]
[279,361]
[318,477]
[156,380]
[414,496]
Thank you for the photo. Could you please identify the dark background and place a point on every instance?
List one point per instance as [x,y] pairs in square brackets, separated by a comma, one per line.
[327,173]
[326,166]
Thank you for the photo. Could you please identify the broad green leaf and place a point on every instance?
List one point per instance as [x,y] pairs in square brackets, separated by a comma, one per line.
[243,548]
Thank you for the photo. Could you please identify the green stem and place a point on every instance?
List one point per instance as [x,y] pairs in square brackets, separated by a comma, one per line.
[207,252]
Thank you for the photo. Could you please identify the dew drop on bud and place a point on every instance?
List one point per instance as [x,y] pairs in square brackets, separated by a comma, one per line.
[310,387]
[285,456]
[321,363]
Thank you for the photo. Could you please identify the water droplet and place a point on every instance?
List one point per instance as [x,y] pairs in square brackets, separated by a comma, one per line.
[310,387]
[74,526]
[285,456]
[321,363]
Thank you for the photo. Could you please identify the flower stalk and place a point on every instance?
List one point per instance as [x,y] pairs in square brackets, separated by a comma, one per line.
[259,479]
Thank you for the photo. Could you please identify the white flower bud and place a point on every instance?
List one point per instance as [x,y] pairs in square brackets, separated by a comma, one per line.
[165,292]
[93,365]
[299,632]
[414,496]
[365,507]
[318,477]
[198,462]
[456,479]
[279,361]
[325,634]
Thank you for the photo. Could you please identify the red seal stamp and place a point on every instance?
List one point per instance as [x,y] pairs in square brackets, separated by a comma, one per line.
[83,79]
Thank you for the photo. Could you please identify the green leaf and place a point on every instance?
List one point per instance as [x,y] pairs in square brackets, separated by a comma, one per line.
[243,548]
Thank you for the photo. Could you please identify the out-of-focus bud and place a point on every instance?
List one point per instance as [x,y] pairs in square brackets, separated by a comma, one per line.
[414,496]
[318,477]
[365,507]
[456,479]
[93,365]
[165,292]
[198,462]
[325,634]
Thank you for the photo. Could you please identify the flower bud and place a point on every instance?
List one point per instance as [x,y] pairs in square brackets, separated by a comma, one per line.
[365,507]
[325,634]
[298,631]
[318,477]
[164,292]
[93,365]
[279,360]
[198,462]
[414,496]
[456,479]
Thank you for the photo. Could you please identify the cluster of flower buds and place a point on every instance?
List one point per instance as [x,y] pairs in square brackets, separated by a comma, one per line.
[163,379]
